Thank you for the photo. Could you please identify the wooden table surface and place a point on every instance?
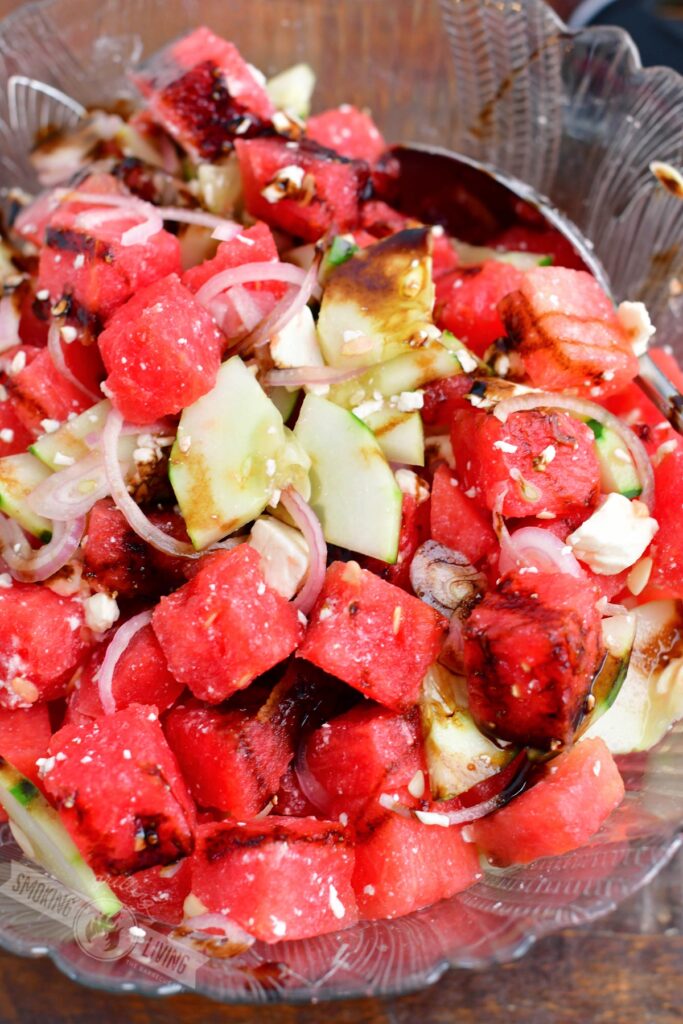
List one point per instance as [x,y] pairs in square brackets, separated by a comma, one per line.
[625,969]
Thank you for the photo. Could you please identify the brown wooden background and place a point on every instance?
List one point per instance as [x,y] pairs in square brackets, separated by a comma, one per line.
[625,969]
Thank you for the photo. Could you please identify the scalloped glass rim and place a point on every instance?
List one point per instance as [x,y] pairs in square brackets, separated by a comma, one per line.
[573,115]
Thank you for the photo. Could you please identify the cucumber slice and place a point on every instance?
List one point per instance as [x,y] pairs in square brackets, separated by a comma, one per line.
[400,435]
[292,89]
[44,839]
[379,303]
[70,439]
[232,453]
[353,491]
[458,755]
[617,469]
[404,373]
[473,255]
[19,475]
[650,699]
[220,186]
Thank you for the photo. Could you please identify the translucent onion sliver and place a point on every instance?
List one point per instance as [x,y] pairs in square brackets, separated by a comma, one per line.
[29,566]
[306,520]
[105,677]
[72,491]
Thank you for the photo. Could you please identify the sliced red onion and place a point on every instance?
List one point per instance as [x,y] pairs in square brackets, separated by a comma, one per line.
[590,410]
[307,521]
[288,307]
[247,310]
[247,273]
[54,347]
[72,491]
[135,517]
[316,794]
[33,566]
[302,376]
[202,219]
[442,818]
[9,323]
[105,676]
[538,548]
[123,206]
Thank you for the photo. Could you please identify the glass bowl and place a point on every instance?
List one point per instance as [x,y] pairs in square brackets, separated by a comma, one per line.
[573,115]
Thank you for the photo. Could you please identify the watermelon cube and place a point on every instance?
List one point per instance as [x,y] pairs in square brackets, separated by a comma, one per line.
[348,131]
[117,560]
[158,893]
[467,302]
[442,399]
[532,647]
[39,392]
[373,635]
[25,737]
[535,462]
[43,639]
[403,865]
[457,522]
[545,241]
[667,547]
[14,437]
[204,94]
[278,878]
[84,260]
[575,795]
[350,761]
[232,760]
[566,332]
[119,793]
[140,676]
[300,187]
[162,351]
[225,626]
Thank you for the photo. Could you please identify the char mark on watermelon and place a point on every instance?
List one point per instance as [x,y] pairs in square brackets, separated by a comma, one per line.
[532,647]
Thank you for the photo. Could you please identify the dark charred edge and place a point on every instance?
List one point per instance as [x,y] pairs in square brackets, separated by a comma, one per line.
[229,838]
[78,242]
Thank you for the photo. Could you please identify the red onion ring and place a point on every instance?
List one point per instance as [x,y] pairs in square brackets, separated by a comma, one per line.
[539,548]
[54,347]
[245,307]
[301,376]
[226,231]
[444,819]
[287,308]
[202,219]
[247,273]
[134,516]
[589,410]
[105,675]
[316,794]
[209,923]
[60,497]
[306,520]
[29,566]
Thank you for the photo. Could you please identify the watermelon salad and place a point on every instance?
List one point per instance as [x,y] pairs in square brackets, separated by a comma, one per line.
[340,557]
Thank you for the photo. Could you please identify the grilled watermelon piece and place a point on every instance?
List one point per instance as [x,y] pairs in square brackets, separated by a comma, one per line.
[84,260]
[14,437]
[372,635]
[456,520]
[119,792]
[162,351]
[308,190]
[42,641]
[667,547]
[545,241]
[278,878]
[467,302]
[141,676]
[24,737]
[39,392]
[205,95]
[357,756]
[414,530]
[442,399]
[566,332]
[226,626]
[158,893]
[540,461]
[117,560]
[403,865]
[575,795]
[232,760]
[348,131]
[532,647]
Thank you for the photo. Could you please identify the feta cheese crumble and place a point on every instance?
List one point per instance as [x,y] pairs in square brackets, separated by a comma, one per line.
[635,319]
[615,536]
[101,612]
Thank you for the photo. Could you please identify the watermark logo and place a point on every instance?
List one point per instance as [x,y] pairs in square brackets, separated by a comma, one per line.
[106,938]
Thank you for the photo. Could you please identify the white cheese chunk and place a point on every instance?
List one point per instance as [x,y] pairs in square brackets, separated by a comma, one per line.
[101,612]
[635,319]
[296,344]
[284,554]
[615,536]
